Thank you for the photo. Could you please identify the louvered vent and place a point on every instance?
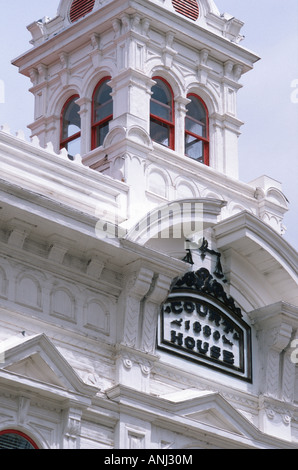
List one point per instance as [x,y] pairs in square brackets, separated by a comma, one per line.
[188,8]
[14,441]
[80,8]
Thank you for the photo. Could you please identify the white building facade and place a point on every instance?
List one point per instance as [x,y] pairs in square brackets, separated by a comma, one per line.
[148,298]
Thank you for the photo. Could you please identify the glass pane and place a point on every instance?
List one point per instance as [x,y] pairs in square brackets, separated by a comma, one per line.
[73,147]
[103,103]
[161,110]
[101,132]
[71,119]
[194,148]
[195,127]
[196,118]
[14,441]
[195,109]
[160,133]
[161,101]
[103,111]
[72,130]
[161,92]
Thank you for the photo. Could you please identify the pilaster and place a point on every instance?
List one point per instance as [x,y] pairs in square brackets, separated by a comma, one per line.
[275,325]
[72,428]
[85,114]
[138,281]
[145,290]
[131,97]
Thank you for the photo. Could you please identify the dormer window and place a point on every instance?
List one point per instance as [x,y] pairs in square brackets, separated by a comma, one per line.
[71,127]
[102,112]
[188,8]
[80,8]
[197,130]
[162,113]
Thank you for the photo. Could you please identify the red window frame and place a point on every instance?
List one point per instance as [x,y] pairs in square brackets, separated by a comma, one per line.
[19,433]
[64,142]
[205,140]
[159,120]
[95,125]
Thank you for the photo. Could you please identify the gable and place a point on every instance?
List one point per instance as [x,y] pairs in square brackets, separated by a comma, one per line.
[212,412]
[35,359]
[213,417]
[36,368]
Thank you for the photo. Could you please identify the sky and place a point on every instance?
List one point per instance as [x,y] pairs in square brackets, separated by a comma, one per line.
[267,103]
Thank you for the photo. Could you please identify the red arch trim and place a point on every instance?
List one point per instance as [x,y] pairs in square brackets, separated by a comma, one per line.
[19,433]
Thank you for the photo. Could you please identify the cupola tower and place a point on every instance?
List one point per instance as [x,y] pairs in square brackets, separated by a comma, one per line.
[148,298]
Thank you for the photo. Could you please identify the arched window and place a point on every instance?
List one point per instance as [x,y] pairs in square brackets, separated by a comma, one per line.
[71,127]
[102,112]
[12,439]
[197,130]
[162,113]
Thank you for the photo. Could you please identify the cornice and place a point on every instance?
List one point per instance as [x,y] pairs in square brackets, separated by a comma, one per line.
[12,150]
[246,224]
[245,233]
[169,415]
[76,34]
[204,174]
[274,315]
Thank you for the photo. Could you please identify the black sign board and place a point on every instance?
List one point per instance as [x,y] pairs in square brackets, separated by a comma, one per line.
[199,322]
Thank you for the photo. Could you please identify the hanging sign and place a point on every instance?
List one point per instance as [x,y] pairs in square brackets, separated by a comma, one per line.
[199,322]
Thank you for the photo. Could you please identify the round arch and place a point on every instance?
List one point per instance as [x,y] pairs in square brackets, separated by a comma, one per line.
[158,180]
[93,78]
[170,77]
[181,218]
[59,98]
[206,94]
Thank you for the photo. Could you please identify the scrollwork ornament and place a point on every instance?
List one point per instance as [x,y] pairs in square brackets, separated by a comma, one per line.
[270,413]
[73,427]
[127,363]
[203,282]
[145,369]
[93,379]
[287,419]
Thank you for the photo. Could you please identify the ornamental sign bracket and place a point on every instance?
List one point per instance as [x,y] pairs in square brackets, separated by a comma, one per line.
[201,323]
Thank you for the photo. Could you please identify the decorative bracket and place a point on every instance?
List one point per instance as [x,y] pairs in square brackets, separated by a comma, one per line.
[218,268]
[218,272]
[188,257]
